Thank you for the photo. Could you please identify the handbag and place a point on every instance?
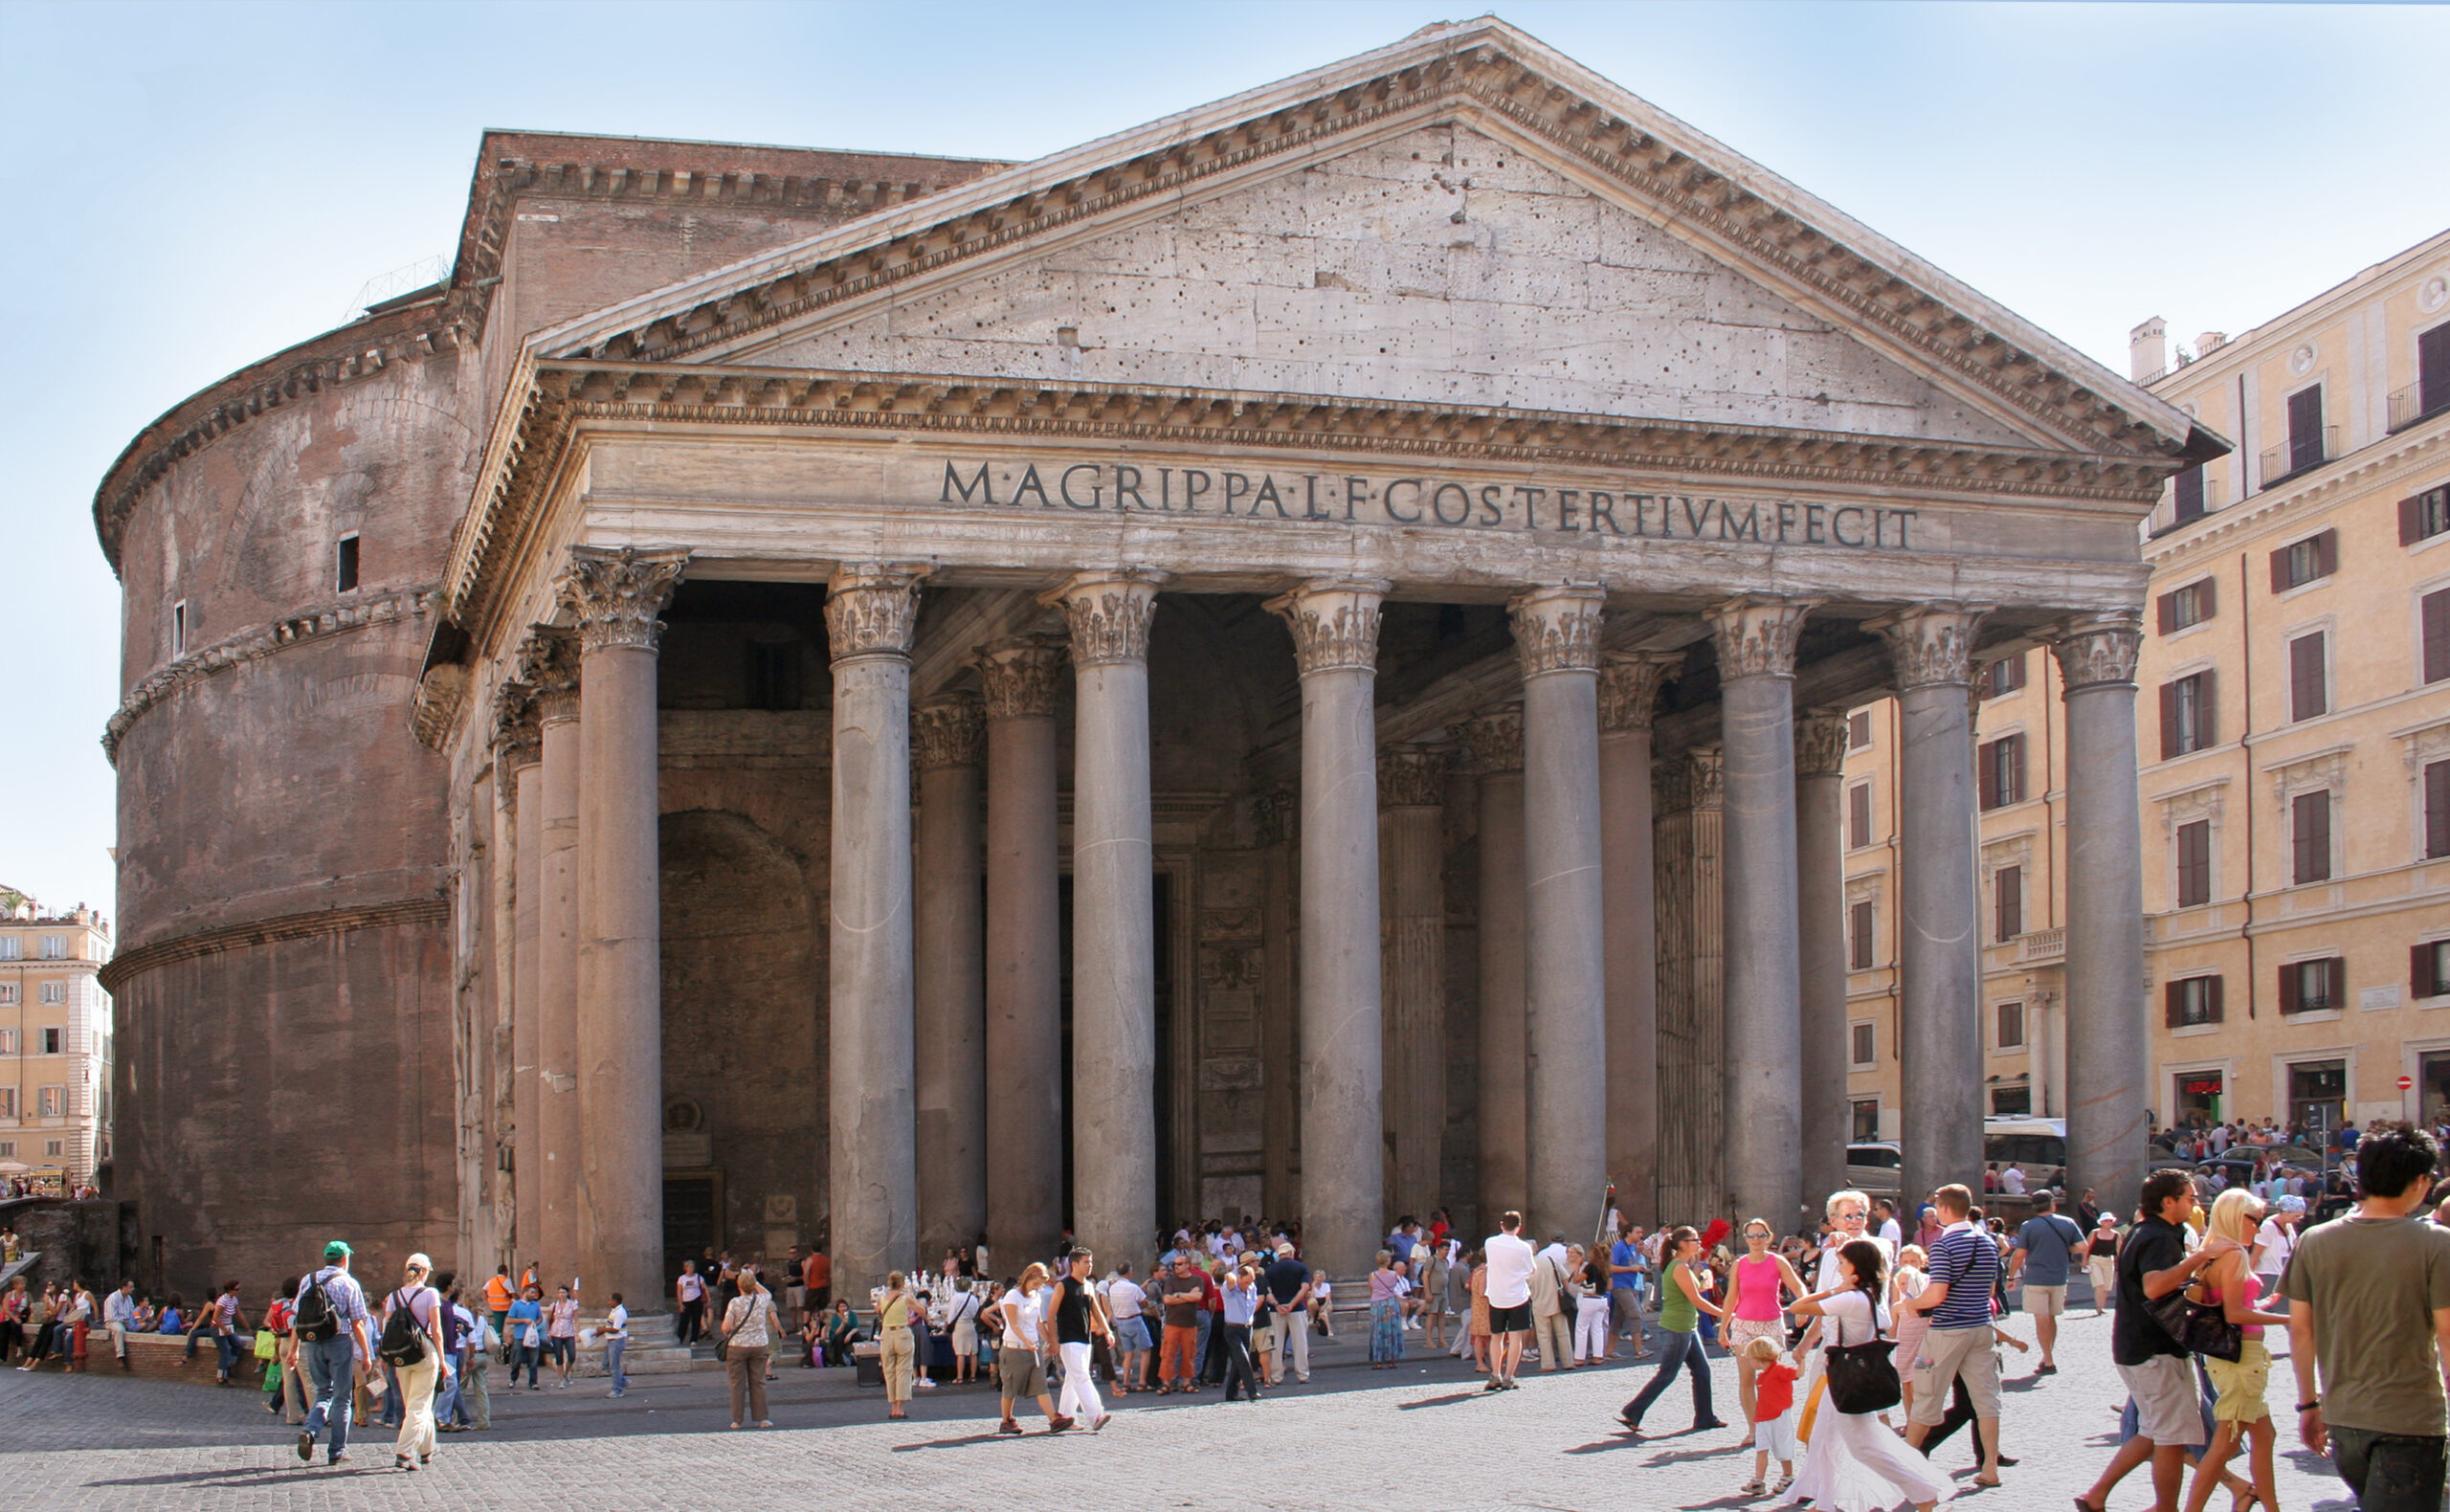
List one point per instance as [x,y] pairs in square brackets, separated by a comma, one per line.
[2199,1328]
[1862,1377]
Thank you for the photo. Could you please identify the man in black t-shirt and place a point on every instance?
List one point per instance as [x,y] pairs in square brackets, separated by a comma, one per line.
[1288,1292]
[1075,1316]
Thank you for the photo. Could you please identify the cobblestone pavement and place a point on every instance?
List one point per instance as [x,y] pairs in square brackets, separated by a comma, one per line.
[1423,1434]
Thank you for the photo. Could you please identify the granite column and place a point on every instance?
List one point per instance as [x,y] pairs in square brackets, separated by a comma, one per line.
[1556,638]
[1335,642]
[1114,947]
[871,613]
[948,973]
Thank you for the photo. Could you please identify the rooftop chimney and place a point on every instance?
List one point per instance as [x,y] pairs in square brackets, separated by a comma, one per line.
[2148,351]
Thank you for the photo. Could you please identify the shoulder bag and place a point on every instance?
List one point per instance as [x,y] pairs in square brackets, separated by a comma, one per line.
[1862,1377]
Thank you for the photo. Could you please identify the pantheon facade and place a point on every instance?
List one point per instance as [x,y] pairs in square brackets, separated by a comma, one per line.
[1288,661]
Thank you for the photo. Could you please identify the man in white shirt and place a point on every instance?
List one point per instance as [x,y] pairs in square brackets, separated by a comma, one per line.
[2274,1243]
[1509,1260]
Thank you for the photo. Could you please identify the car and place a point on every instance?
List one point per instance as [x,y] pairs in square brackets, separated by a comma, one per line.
[1874,1167]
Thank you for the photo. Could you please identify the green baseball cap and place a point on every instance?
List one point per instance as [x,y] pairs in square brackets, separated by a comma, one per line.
[338,1249]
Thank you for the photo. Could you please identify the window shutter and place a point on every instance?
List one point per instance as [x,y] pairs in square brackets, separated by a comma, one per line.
[2327,553]
[2207,709]
[2288,1000]
[2213,1008]
[2436,611]
[2169,720]
[2280,570]
[2411,519]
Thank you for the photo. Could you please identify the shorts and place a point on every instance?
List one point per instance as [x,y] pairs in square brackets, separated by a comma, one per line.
[2241,1385]
[2166,1409]
[1740,1331]
[1515,1319]
[1131,1336]
[1019,1373]
[2046,1301]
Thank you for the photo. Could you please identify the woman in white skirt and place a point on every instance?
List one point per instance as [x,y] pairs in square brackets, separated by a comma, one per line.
[1855,1462]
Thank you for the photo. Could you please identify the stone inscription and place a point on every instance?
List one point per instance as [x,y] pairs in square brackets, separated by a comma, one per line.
[1295,498]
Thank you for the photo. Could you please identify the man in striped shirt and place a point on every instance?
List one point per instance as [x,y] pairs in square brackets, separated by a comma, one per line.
[1965,1268]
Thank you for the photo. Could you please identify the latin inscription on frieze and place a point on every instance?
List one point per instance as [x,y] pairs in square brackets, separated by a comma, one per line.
[1295,498]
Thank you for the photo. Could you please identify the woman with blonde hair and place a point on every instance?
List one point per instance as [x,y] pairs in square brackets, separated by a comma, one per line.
[2230,1282]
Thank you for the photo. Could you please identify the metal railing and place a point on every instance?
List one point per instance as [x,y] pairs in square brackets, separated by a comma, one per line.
[2300,454]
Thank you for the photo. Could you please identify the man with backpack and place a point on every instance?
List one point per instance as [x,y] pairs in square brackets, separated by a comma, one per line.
[329,1321]
[419,1354]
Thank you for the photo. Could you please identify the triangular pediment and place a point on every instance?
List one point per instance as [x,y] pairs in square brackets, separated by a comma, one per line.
[1466,217]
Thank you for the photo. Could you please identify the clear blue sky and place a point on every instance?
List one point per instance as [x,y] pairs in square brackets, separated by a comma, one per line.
[190,188]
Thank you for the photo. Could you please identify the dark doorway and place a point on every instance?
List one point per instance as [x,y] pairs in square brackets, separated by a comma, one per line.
[693,1205]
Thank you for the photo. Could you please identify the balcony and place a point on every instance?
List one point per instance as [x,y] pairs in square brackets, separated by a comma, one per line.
[2302,454]
[2418,401]
[2041,947]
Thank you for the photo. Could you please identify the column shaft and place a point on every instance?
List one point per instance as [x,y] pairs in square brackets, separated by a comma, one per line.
[1024,950]
[870,614]
[1335,635]
[1496,744]
[1820,929]
[1629,687]
[1412,842]
[1939,958]
[2108,1031]
[1114,968]
[948,980]
[1565,977]
[616,595]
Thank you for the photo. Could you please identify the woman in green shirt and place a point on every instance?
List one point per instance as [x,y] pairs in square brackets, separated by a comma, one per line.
[1681,1306]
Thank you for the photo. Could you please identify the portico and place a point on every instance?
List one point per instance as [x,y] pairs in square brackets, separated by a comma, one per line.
[1310,611]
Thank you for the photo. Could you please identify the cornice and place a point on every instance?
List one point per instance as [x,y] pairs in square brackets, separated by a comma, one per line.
[543,417]
[128,963]
[320,622]
[1480,68]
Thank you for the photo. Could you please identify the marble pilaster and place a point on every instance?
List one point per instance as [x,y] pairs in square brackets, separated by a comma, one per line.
[2109,1029]
[614,595]
[1556,635]
[1114,965]
[1940,950]
[871,614]
[947,975]
[1820,933]
[1021,678]
[1629,687]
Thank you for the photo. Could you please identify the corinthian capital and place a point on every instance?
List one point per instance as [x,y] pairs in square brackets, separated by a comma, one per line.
[1820,743]
[872,609]
[1108,613]
[1557,628]
[1412,775]
[2099,650]
[1494,741]
[548,665]
[1629,684]
[1931,643]
[614,594]
[946,732]
[1021,676]
[1334,623]
[1756,635]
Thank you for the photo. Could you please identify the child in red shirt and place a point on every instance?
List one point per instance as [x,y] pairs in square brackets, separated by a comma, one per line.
[1773,1426]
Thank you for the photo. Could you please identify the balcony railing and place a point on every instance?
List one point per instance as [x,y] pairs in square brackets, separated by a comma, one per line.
[2040,946]
[2418,401]
[2301,454]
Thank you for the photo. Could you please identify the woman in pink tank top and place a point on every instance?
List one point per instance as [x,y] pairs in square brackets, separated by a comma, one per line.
[1756,1306]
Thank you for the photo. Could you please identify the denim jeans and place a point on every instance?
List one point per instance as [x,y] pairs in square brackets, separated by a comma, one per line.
[332,1370]
[2390,1472]
[613,1350]
[1676,1349]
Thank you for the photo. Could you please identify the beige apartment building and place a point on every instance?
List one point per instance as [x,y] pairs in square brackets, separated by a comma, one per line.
[2294,735]
[55,1041]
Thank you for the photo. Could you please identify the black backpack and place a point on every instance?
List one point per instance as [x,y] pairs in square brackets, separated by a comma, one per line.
[316,1320]
[404,1340]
